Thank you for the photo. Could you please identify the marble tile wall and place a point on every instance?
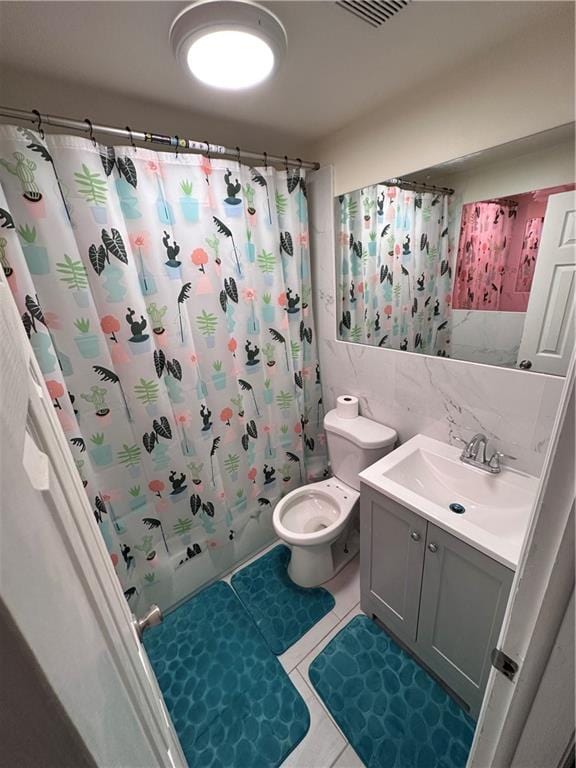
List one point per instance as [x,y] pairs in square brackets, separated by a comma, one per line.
[486,337]
[416,393]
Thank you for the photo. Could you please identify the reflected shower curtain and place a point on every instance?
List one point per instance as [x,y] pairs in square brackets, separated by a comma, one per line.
[167,300]
[485,233]
[528,254]
[394,284]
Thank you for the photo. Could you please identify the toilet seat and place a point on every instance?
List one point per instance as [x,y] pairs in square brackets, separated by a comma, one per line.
[315,513]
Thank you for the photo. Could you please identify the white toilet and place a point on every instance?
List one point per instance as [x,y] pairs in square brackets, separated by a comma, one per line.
[316,520]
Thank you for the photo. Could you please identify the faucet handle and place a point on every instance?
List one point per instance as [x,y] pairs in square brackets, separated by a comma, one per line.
[494,462]
[503,455]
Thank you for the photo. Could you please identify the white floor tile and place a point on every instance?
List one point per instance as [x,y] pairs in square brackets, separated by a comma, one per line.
[323,743]
[238,567]
[345,587]
[348,759]
[305,663]
[294,655]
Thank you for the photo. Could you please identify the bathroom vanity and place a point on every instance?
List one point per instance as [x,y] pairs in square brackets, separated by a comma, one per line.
[439,580]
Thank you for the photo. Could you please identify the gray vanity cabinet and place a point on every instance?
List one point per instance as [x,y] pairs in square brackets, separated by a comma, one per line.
[462,604]
[443,599]
[392,542]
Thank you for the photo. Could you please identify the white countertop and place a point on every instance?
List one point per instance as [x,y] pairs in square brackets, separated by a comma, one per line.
[426,475]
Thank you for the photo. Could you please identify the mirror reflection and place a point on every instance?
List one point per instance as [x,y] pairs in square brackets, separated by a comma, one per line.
[472,259]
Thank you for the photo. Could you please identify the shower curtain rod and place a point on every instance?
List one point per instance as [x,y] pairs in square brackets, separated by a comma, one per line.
[177,142]
[417,186]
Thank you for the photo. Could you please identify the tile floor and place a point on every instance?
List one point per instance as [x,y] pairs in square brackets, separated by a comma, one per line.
[324,746]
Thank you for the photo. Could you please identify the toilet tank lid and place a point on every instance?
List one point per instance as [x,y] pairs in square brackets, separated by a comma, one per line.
[361,431]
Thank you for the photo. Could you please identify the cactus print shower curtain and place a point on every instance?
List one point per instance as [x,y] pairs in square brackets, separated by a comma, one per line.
[167,300]
[529,254]
[485,236]
[394,273]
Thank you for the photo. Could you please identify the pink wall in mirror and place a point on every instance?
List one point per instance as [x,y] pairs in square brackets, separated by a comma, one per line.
[497,251]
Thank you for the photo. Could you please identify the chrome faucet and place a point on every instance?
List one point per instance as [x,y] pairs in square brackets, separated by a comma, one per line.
[476,446]
[474,453]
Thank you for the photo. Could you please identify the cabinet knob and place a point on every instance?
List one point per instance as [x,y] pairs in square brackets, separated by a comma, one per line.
[433,547]
[414,535]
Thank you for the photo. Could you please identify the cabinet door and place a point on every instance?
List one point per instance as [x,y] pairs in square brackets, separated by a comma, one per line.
[464,597]
[391,560]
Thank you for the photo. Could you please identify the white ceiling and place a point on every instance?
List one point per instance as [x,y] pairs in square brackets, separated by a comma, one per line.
[337,67]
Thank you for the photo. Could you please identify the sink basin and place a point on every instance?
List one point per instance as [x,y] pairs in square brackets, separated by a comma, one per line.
[428,477]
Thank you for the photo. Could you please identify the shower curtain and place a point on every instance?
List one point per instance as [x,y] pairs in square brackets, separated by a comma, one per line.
[167,300]
[528,254]
[394,284]
[485,233]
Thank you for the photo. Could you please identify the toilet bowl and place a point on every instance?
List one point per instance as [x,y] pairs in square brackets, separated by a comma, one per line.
[311,519]
[317,520]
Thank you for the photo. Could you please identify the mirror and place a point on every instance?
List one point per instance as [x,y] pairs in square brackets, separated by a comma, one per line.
[473,259]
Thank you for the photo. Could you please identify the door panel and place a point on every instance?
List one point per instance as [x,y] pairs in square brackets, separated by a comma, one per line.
[57,580]
[45,592]
[394,537]
[548,337]
[464,596]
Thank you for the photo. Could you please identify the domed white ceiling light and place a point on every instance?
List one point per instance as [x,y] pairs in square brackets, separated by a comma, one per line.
[228,44]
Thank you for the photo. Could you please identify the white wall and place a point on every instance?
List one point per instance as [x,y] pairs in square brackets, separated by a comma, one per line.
[511,91]
[546,167]
[25,90]
[416,393]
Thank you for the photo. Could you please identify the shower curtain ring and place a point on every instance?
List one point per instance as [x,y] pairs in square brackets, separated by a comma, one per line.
[39,125]
[238,155]
[207,150]
[299,163]
[131,138]
[265,154]
[91,136]
[177,145]
[286,162]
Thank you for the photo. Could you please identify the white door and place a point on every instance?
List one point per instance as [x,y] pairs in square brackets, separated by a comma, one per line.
[57,581]
[548,337]
[531,635]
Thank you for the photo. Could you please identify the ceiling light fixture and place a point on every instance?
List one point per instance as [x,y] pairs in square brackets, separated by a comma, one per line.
[228,44]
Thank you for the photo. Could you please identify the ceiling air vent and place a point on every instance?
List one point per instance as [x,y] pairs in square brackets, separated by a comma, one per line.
[373,12]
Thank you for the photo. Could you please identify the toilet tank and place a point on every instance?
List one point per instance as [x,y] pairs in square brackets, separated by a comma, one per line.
[354,444]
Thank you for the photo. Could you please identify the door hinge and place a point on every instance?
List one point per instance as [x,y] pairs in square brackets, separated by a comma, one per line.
[503,663]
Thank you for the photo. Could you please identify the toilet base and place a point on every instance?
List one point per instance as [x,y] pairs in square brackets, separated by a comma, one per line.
[312,566]
[344,549]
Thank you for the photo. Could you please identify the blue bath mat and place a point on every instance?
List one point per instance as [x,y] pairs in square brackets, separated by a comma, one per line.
[283,612]
[393,712]
[231,702]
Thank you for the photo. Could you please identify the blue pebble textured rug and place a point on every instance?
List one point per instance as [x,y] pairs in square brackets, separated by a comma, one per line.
[391,710]
[230,700]
[282,611]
